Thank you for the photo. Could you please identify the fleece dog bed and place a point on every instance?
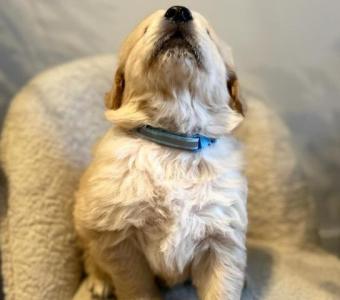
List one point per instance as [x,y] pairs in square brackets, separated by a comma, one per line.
[48,133]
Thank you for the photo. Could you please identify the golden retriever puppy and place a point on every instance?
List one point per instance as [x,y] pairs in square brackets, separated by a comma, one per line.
[165,195]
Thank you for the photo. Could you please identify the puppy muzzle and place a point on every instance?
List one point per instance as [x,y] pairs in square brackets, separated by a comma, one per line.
[177,38]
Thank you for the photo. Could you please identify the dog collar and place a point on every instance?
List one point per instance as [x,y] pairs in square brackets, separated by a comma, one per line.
[163,137]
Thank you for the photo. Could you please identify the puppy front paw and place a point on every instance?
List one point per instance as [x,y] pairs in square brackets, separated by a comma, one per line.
[100,290]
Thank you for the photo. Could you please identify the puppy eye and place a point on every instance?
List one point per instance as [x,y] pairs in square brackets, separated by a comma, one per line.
[146,29]
[208,32]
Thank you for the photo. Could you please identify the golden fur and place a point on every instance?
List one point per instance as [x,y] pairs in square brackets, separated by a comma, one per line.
[143,209]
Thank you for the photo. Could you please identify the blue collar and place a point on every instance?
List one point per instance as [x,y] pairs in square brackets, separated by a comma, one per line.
[163,137]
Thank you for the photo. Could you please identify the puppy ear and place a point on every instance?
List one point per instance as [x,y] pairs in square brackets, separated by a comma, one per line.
[114,98]
[234,92]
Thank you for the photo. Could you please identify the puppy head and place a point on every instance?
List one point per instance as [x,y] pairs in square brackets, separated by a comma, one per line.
[175,73]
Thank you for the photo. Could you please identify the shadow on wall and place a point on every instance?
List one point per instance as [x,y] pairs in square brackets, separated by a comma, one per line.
[309,102]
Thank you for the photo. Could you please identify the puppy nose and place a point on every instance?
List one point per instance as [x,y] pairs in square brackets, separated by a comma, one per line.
[178,14]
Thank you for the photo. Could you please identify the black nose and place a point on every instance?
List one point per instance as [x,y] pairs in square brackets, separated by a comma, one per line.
[178,14]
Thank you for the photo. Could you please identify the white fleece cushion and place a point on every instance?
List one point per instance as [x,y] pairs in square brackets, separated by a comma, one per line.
[43,162]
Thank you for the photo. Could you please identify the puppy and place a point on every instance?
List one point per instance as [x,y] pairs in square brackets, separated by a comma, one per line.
[164,195]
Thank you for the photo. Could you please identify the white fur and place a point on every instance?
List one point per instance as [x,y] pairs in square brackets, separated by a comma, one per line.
[143,209]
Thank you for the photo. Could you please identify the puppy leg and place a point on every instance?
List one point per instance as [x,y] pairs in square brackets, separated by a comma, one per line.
[99,283]
[129,271]
[219,275]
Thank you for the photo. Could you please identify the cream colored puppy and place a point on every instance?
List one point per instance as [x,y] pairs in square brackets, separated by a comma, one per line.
[146,209]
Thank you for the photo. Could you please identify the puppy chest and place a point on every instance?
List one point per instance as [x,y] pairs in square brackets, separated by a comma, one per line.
[168,242]
[178,228]
[177,208]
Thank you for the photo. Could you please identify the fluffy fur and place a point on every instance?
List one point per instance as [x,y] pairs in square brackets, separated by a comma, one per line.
[144,210]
